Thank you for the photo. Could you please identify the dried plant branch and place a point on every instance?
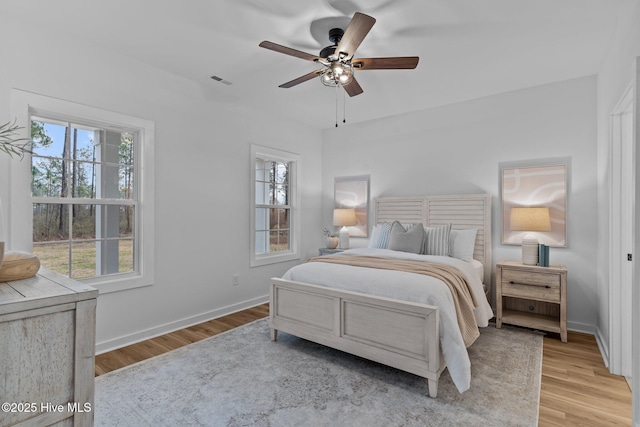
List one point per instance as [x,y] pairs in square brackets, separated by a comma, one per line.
[10,142]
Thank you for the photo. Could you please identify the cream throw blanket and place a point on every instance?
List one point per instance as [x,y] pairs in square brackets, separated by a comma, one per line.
[463,297]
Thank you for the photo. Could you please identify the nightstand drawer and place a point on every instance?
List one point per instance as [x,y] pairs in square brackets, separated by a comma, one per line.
[524,284]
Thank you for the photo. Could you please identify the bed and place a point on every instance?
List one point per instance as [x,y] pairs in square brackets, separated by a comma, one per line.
[352,308]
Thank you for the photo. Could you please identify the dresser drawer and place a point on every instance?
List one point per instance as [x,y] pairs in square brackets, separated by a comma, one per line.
[532,285]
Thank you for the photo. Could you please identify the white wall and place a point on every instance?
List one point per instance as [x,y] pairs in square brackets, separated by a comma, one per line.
[202,173]
[617,73]
[615,77]
[457,149]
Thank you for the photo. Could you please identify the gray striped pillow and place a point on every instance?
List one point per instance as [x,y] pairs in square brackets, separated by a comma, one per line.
[436,240]
[380,236]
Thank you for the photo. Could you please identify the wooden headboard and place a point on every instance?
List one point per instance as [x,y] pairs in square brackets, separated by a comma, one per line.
[462,211]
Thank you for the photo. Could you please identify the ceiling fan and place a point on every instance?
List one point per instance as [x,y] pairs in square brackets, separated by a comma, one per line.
[338,61]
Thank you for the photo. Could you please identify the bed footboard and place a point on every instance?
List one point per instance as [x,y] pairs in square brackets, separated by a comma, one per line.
[400,334]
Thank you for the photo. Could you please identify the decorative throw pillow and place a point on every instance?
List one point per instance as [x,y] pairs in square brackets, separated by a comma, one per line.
[436,240]
[406,240]
[380,236]
[462,243]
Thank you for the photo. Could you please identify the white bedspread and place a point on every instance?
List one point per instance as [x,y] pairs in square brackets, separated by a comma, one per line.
[407,287]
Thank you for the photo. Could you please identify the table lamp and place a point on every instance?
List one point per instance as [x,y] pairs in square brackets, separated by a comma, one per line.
[530,219]
[344,218]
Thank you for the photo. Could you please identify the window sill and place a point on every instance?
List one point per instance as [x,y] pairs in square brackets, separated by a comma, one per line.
[118,284]
[273,259]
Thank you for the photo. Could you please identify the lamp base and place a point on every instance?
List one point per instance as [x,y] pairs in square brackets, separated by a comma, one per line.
[344,238]
[530,251]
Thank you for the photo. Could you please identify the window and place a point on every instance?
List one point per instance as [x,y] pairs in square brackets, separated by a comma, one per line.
[89,203]
[275,235]
[84,198]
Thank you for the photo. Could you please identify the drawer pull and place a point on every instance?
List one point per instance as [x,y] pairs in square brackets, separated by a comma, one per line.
[511,282]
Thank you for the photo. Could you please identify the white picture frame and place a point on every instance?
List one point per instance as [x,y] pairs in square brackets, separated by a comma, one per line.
[353,192]
[542,183]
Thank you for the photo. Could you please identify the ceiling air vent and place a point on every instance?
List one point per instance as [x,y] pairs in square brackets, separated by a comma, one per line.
[221,80]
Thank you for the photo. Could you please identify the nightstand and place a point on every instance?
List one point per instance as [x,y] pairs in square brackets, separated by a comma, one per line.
[327,251]
[532,296]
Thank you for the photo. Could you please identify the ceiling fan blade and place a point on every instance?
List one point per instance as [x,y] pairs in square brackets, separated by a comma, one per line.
[288,51]
[301,79]
[391,63]
[353,88]
[354,34]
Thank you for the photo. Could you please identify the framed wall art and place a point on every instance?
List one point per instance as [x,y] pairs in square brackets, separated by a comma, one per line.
[539,186]
[353,192]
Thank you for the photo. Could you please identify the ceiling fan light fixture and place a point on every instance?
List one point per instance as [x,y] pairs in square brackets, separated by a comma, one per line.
[327,78]
[337,74]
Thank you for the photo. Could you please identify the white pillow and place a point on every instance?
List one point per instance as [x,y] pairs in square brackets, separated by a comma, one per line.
[380,236]
[462,243]
[436,240]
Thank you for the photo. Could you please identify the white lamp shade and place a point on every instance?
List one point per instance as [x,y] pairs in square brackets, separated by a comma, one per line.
[344,217]
[530,219]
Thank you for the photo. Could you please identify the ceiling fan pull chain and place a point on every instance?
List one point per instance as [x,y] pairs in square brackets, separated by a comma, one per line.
[337,86]
[344,107]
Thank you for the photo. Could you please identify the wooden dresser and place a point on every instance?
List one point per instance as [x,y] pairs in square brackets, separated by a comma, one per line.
[532,296]
[47,351]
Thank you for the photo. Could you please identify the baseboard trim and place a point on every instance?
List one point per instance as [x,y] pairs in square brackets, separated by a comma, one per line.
[136,337]
[585,328]
[603,345]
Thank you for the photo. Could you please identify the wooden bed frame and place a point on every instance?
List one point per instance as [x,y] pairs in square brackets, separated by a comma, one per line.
[396,333]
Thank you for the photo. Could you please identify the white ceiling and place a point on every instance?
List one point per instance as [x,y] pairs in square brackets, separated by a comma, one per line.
[467,48]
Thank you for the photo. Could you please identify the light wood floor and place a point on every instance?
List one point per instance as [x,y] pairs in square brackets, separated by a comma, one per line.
[576,390]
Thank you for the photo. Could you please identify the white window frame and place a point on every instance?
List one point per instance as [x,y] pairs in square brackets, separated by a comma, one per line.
[261,152]
[23,106]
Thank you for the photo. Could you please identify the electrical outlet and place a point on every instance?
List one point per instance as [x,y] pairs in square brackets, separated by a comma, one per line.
[235,280]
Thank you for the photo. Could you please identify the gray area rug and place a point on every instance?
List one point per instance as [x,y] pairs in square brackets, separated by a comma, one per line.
[242,378]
